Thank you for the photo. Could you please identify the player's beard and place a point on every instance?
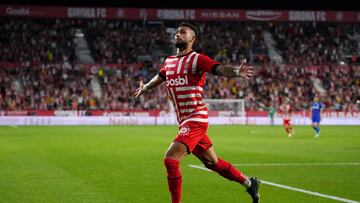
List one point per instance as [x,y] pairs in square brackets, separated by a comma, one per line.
[181,45]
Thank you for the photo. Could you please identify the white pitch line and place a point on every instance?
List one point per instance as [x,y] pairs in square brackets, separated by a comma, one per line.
[300,164]
[200,167]
[340,199]
[13,126]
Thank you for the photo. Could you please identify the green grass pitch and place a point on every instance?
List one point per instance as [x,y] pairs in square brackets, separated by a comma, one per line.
[125,164]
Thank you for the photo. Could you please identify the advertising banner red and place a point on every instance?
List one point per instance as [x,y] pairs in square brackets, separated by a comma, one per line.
[90,66]
[177,14]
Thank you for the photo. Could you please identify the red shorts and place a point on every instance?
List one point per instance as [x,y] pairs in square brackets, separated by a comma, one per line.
[193,136]
[287,121]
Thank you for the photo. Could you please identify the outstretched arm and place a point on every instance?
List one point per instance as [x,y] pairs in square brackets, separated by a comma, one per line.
[155,81]
[227,70]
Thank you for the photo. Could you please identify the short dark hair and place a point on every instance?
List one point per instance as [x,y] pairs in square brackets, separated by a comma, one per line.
[191,26]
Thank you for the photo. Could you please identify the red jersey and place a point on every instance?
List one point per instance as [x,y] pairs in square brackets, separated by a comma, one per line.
[185,78]
[286,109]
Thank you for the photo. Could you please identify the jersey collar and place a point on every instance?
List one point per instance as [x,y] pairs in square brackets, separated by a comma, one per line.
[185,54]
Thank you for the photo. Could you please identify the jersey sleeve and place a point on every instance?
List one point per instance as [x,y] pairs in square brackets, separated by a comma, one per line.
[205,63]
[162,72]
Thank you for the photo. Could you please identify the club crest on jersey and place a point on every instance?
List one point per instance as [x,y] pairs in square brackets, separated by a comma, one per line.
[184,130]
[177,81]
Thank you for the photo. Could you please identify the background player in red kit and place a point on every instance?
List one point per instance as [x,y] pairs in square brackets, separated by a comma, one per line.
[286,110]
[184,75]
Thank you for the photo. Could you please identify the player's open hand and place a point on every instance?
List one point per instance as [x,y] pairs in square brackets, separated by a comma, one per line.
[245,70]
[139,90]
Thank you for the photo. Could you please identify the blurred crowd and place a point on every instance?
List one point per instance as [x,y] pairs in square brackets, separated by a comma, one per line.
[122,41]
[36,40]
[272,86]
[50,77]
[230,42]
[45,87]
[59,87]
[311,43]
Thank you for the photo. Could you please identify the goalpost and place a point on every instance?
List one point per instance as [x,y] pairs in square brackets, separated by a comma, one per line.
[227,107]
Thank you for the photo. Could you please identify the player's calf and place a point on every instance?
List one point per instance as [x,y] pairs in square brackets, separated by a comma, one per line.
[228,171]
[174,154]
[174,179]
[288,130]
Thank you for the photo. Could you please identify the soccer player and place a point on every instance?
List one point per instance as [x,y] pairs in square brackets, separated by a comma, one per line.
[316,111]
[286,110]
[271,112]
[184,75]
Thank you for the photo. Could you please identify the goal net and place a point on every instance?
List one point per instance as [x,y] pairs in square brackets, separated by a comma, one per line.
[221,111]
[226,107]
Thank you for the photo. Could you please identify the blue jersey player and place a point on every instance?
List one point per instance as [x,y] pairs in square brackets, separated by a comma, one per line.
[316,111]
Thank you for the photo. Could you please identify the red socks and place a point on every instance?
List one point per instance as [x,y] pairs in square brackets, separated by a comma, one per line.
[226,170]
[222,167]
[174,179]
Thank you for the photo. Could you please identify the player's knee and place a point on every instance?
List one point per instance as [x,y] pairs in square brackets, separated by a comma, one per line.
[171,155]
[174,155]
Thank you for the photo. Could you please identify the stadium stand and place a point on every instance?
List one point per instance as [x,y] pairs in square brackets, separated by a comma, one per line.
[49,74]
